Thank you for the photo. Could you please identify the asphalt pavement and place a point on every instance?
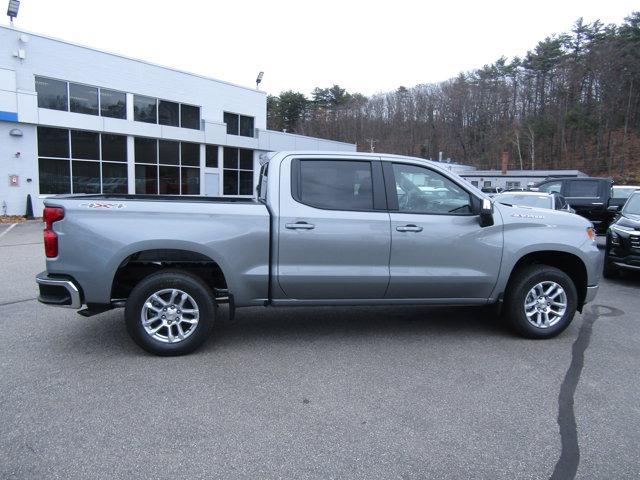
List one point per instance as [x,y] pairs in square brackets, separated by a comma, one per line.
[315,393]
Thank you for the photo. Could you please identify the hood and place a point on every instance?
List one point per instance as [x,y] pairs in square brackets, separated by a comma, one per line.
[543,216]
[628,220]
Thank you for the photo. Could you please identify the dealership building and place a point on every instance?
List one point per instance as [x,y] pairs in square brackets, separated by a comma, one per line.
[77,120]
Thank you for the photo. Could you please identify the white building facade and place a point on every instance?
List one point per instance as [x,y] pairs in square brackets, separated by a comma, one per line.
[77,120]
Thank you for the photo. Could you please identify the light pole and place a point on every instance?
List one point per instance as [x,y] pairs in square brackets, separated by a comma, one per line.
[259,79]
[12,10]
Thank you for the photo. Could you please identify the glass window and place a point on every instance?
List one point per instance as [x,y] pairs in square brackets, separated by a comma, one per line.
[146,150]
[113,104]
[230,182]
[114,147]
[246,159]
[474,183]
[147,179]
[421,190]
[144,109]
[583,188]
[52,93]
[86,177]
[53,142]
[246,126]
[338,185]
[85,145]
[551,187]
[232,120]
[54,176]
[238,171]
[487,183]
[169,180]
[168,113]
[190,181]
[211,158]
[190,116]
[114,178]
[168,152]
[633,205]
[83,99]
[190,154]
[246,183]
[230,157]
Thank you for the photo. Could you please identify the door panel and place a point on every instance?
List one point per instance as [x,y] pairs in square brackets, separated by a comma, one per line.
[438,248]
[450,257]
[325,253]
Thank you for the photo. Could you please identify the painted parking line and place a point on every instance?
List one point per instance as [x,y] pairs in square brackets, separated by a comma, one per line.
[8,230]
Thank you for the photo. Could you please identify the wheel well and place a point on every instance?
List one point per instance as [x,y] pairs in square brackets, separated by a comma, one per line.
[142,264]
[567,262]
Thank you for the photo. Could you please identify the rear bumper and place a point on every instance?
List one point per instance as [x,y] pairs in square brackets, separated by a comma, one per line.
[591,294]
[58,291]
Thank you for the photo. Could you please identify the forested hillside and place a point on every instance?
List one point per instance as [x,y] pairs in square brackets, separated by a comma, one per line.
[573,101]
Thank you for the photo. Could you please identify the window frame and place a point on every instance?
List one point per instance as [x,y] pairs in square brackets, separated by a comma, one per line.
[71,158]
[224,169]
[239,124]
[377,183]
[392,194]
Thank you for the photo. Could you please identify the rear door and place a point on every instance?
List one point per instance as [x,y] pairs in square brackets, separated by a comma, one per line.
[438,248]
[588,198]
[333,229]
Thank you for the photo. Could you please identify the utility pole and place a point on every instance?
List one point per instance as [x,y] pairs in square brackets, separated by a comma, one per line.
[372,142]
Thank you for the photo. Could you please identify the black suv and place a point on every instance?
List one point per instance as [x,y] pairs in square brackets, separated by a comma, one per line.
[588,196]
[623,239]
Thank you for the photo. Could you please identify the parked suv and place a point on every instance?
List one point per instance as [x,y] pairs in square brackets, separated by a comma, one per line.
[622,250]
[588,196]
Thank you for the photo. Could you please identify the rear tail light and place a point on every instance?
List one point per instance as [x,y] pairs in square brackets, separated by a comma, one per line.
[50,216]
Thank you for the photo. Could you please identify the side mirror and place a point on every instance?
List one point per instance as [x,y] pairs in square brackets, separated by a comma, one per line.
[486,213]
[613,208]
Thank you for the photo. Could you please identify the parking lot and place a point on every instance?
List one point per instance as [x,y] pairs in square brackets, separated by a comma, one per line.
[386,392]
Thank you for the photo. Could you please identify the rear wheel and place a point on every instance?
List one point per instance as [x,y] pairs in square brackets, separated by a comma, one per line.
[540,301]
[170,313]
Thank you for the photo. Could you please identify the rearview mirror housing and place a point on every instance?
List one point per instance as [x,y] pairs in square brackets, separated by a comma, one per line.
[486,213]
[613,208]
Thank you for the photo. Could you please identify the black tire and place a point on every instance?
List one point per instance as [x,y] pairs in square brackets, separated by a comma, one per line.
[170,279]
[519,286]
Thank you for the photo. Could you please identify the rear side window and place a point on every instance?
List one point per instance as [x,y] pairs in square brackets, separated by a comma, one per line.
[583,188]
[551,187]
[335,184]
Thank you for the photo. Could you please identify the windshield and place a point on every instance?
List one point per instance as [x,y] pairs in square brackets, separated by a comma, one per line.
[622,192]
[633,205]
[536,201]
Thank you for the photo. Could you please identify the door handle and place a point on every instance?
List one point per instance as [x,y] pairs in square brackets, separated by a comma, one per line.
[409,228]
[300,226]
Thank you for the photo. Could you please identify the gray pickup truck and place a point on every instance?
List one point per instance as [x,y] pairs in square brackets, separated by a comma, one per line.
[325,229]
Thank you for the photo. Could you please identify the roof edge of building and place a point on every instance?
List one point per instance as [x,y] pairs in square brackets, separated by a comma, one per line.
[119,55]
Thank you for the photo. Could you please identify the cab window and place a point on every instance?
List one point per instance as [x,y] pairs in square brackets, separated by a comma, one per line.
[421,190]
[335,184]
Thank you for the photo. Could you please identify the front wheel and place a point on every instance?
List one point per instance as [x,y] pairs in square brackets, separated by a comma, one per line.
[540,301]
[170,313]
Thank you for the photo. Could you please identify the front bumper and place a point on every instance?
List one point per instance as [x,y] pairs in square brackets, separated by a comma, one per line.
[58,291]
[591,294]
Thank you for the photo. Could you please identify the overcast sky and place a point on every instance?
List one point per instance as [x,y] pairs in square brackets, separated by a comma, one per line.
[365,47]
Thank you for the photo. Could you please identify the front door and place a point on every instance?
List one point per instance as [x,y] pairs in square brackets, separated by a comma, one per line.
[333,232]
[438,248]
